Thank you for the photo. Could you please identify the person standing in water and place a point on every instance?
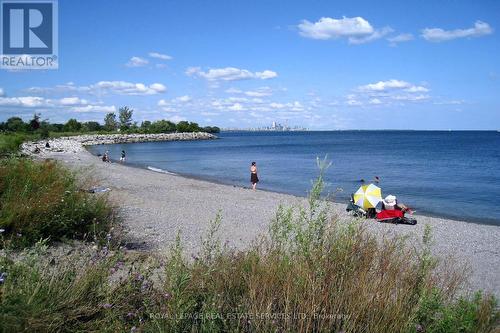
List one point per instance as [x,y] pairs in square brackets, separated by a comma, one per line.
[122,157]
[253,175]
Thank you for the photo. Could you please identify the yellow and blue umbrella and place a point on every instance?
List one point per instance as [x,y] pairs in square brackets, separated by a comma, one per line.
[368,196]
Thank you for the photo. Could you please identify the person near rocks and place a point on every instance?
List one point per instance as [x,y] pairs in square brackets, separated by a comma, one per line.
[105,157]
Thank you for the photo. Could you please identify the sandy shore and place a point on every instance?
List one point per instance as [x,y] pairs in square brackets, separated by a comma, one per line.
[155,206]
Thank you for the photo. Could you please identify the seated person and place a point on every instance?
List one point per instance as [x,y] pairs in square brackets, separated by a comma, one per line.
[390,208]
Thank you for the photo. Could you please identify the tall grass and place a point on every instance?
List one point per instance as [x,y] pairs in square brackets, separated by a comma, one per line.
[11,142]
[43,200]
[74,295]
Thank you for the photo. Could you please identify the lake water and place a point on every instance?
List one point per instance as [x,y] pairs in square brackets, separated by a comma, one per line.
[451,174]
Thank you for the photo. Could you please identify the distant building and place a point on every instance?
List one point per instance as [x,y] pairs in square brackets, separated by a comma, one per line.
[274,127]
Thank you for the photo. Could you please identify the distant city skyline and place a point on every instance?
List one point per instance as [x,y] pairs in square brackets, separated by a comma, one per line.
[320,65]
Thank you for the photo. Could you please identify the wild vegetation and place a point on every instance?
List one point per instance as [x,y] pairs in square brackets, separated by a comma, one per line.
[44,201]
[309,273]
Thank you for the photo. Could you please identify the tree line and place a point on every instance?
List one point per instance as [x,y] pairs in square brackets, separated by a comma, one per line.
[122,122]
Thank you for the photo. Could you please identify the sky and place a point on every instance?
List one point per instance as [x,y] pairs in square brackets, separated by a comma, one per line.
[322,65]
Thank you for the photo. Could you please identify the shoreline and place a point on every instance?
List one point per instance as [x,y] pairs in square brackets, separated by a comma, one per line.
[155,206]
[479,221]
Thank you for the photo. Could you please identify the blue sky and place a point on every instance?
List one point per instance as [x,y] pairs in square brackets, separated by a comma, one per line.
[317,64]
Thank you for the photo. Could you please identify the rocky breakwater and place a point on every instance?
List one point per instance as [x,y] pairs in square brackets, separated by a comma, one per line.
[76,144]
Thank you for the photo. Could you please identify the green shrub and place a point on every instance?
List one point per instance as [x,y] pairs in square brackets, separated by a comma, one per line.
[74,295]
[434,315]
[42,200]
[11,142]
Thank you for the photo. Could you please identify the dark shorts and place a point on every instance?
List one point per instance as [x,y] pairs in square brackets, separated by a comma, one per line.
[253,178]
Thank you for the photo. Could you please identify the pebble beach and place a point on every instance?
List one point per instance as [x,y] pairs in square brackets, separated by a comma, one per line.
[155,206]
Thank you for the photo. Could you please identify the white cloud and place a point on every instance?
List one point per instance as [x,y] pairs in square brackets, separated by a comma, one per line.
[230,74]
[204,113]
[377,34]
[275,105]
[386,92]
[375,101]
[291,106]
[385,85]
[74,104]
[439,35]
[391,86]
[128,88]
[26,101]
[414,89]
[160,56]
[329,28]
[72,101]
[176,119]
[137,62]
[256,93]
[163,102]
[410,97]
[158,87]
[233,91]
[400,38]
[182,99]
[104,87]
[296,106]
[174,104]
[450,102]
[236,107]
[259,92]
[60,88]
[1,92]
[94,108]
[353,101]
[357,30]
[267,74]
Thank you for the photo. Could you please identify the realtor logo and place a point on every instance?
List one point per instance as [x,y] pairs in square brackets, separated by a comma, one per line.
[29,34]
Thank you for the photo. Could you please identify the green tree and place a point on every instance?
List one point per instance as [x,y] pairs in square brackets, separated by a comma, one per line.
[35,122]
[110,123]
[55,127]
[211,129]
[92,126]
[72,126]
[162,126]
[146,126]
[15,124]
[194,127]
[125,115]
[183,126]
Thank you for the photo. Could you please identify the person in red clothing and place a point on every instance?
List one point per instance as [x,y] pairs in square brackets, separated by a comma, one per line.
[390,208]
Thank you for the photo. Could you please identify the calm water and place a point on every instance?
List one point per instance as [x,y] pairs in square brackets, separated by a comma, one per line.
[450,174]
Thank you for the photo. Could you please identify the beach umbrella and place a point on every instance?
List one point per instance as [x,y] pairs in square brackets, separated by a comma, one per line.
[368,196]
